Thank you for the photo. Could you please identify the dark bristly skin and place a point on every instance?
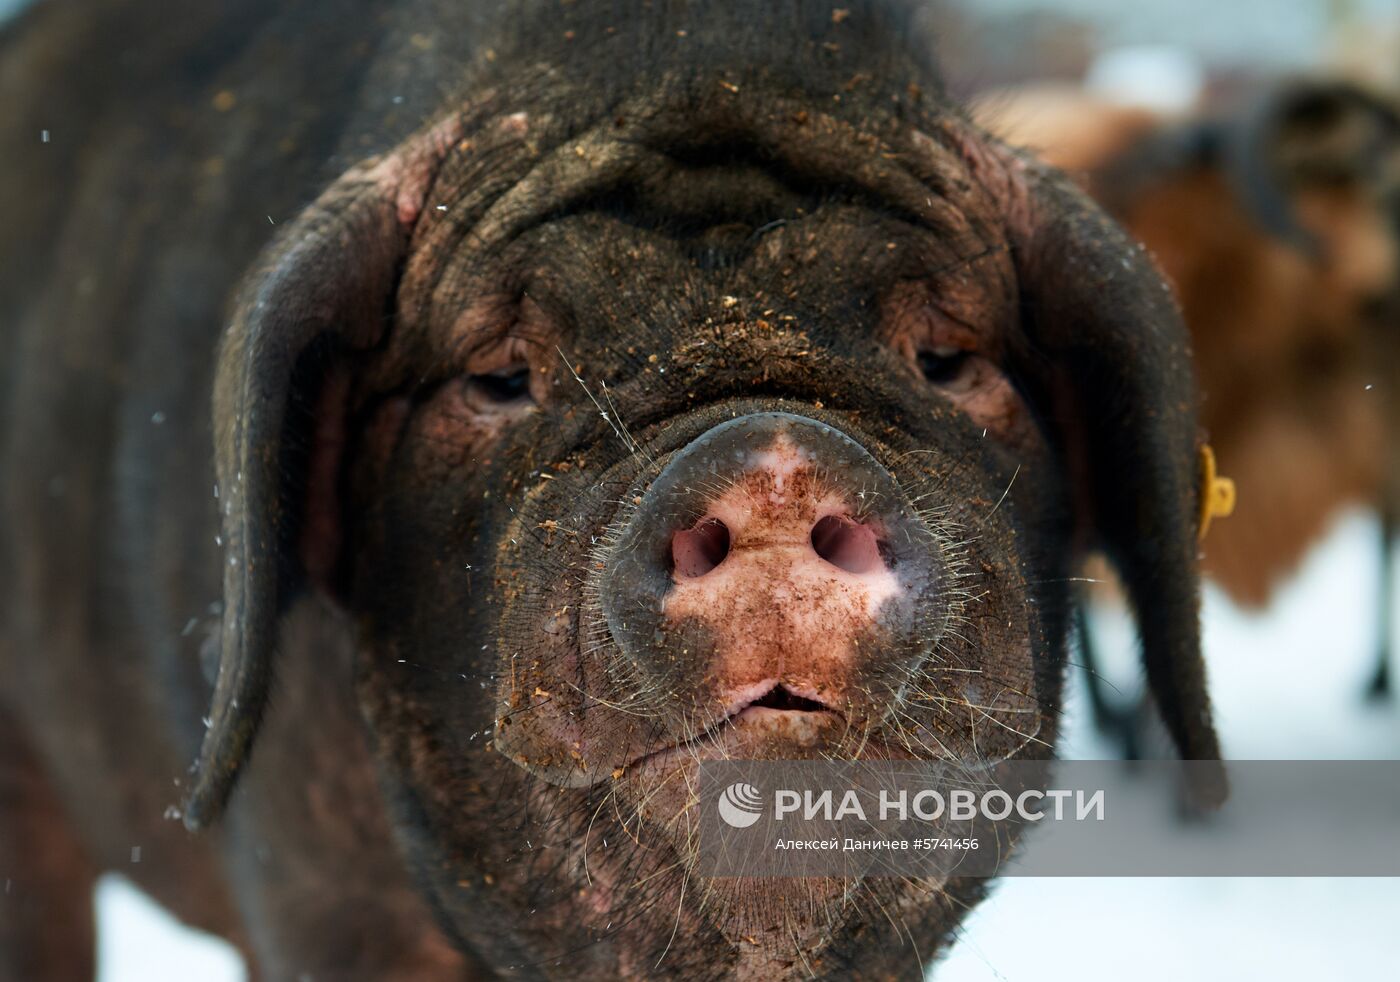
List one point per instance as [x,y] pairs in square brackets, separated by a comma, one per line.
[381,486]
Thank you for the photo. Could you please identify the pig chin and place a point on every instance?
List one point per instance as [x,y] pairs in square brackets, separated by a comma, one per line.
[775,924]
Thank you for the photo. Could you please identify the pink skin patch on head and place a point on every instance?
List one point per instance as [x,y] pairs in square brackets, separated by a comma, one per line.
[781,573]
[406,175]
[516,124]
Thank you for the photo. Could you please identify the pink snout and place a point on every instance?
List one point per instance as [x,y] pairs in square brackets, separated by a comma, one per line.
[773,547]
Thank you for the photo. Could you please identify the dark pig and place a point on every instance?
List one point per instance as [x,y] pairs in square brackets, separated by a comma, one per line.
[481,416]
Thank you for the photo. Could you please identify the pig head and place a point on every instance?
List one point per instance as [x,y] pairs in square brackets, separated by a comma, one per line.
[684,391]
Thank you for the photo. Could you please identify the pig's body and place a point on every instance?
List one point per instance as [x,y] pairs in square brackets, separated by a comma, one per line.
[763,263]
[125,234]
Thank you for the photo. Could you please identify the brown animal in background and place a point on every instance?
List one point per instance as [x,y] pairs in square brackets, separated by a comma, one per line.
[1278,222]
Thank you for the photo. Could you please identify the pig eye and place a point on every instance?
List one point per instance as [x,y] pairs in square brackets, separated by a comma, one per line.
[944,366]
[508,385]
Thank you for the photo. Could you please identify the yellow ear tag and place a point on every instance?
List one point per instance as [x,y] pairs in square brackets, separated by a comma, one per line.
[1217,493]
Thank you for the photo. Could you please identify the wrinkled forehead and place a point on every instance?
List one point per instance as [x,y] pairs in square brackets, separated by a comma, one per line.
[749,196]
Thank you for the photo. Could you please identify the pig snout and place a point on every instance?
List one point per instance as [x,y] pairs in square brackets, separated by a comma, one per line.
[772,553]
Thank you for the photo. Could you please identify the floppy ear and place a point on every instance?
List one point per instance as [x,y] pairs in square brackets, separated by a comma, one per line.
[1307,133]
[1108,362]
[324,285]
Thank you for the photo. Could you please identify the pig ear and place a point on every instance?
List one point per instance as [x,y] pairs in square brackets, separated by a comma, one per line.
[324,286]
[1304,134]
[1107,364]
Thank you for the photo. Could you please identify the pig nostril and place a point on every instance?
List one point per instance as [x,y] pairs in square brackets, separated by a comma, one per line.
[847,545]
[698,550]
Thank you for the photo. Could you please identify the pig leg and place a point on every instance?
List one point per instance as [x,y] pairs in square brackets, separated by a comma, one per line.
[47,928]
[1380,681]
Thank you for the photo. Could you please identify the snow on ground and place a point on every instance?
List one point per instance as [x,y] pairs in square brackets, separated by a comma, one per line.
[137,941]
[1287,685]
